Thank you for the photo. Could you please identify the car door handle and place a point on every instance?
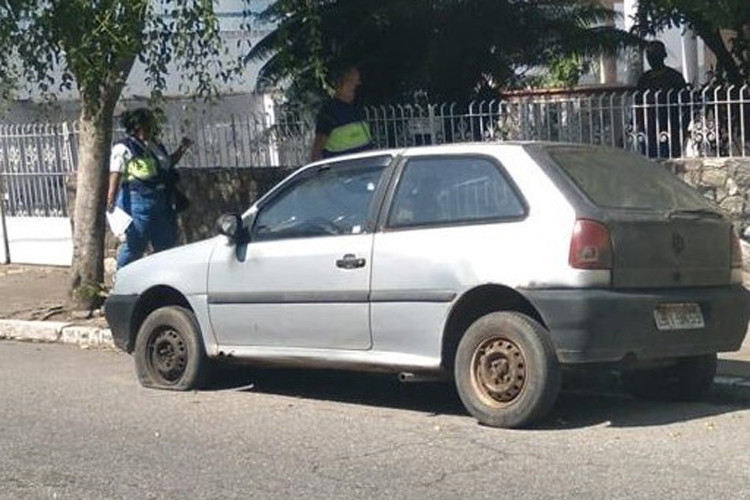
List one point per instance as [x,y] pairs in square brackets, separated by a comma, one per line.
[350,261]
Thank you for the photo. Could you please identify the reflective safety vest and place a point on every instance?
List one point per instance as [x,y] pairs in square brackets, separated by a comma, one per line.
[351,136]
[143,167]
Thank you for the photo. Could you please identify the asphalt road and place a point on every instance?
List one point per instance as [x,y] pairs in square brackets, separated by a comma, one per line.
[75,424]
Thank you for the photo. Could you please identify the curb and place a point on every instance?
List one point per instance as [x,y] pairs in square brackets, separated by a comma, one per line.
[728,387]
[56,332]
[736,389]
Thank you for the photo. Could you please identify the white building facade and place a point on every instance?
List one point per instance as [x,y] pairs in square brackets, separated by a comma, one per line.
[236,95]
[685,52]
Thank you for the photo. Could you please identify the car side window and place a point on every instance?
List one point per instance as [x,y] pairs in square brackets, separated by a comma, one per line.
[329,200]
[446,190]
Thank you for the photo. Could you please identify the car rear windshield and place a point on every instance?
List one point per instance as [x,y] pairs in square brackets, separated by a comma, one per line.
[613,178]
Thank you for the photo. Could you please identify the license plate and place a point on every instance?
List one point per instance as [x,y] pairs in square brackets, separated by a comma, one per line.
[678,317]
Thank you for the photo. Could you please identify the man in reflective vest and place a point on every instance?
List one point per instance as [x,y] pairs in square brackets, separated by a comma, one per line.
[340,127]
[141,183]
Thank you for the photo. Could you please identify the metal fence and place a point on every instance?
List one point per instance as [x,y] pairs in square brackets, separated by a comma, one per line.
[240,141]
[709,122]
[34,162]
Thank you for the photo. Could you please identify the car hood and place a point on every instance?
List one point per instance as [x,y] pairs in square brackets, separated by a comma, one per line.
[184,268]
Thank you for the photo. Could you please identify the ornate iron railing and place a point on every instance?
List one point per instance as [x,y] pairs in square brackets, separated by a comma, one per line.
[708,122]
[34,162]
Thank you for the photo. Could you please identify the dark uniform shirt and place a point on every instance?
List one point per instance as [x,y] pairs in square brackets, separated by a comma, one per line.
[665,78]
[659,116]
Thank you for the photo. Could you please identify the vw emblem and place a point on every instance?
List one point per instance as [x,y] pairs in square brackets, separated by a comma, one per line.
[678,243]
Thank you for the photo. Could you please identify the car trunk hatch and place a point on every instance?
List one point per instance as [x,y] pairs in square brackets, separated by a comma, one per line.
[663,232]
[670,252]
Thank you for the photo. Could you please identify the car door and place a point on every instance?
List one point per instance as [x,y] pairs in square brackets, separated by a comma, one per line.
[450,224]
[303,278]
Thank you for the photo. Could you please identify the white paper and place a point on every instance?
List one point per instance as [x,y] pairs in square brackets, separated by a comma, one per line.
[118,220]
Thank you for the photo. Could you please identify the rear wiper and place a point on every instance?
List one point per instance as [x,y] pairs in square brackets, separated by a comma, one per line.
[698,212]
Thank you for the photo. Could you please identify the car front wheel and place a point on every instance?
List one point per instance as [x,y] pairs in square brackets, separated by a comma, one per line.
[506,371]
[169,351]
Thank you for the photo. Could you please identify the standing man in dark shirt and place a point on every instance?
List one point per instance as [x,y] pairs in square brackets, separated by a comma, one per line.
[660,118]
[660,76]
[340,127]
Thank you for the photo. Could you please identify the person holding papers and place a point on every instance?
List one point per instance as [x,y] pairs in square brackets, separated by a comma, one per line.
[142,185]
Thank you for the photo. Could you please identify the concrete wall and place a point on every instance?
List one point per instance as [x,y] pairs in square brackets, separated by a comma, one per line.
[216,191]
[38,240]
[220,190]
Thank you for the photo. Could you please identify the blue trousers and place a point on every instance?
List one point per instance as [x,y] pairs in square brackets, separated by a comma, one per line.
[154,221]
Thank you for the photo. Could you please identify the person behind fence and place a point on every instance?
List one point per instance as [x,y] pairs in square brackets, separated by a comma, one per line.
[340,127]
[142,182]
[659,117]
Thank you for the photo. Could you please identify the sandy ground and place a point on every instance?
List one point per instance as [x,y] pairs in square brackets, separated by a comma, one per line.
[37,293]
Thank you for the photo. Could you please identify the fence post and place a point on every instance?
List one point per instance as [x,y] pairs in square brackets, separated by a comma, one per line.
[269,112]
[235,149]
[6,242]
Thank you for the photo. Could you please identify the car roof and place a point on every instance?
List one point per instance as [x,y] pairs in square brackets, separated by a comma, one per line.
[459,147]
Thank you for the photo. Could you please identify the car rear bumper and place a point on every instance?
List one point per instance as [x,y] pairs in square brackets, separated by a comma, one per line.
[118,309]
[609,326]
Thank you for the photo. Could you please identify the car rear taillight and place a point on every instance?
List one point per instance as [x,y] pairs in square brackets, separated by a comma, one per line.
[736,249]
[590,246]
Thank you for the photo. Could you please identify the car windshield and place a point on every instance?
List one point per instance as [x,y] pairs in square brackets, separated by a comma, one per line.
[618,179]
[323,201]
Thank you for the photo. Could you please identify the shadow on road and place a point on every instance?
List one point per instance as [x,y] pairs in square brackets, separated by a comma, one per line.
[583,402]
[579,409]
[345,387]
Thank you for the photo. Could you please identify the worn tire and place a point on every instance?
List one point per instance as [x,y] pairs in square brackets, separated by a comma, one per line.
[506,371]
[169,352]
[687,380]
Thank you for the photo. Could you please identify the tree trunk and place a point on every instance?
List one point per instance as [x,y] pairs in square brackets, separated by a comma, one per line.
[87,270]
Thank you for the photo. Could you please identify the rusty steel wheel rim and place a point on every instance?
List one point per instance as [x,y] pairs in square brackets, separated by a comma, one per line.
[498,371]
[167,355]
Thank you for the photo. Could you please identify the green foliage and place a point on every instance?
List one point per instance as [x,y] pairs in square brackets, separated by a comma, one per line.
[566,71]
[707,19]
[451,49]
[52,45]
[89,292]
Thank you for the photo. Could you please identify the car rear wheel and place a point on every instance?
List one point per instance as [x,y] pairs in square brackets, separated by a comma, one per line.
[506,371]
[169,351]
[688,379]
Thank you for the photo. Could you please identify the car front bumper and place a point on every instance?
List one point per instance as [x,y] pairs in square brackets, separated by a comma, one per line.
[589,325]
[118,309]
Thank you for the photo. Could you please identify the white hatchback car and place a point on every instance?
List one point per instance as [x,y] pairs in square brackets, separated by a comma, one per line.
[492,264]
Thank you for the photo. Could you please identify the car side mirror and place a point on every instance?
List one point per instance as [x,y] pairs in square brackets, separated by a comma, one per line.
[230,225]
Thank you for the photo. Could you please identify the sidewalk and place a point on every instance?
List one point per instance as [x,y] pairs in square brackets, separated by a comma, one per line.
[33,307]
[733,373]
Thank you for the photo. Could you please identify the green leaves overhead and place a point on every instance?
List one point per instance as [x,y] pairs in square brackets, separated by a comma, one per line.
[449,48]
[55,44]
